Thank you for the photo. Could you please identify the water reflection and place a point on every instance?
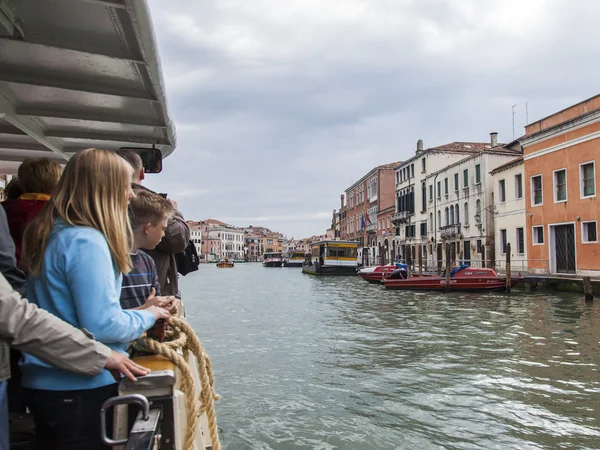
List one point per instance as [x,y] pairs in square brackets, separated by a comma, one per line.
[305,362]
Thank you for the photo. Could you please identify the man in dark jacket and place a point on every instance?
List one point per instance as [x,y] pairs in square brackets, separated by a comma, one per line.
[177,234]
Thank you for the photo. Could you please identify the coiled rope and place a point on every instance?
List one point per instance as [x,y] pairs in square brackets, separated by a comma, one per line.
[183,337]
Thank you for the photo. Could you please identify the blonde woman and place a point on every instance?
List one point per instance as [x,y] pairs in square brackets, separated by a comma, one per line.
[76,250]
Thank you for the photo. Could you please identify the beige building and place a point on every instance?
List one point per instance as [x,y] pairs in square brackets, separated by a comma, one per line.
[509,214]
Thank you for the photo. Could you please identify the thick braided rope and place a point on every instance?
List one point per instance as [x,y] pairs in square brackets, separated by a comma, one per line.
[186,338]
[207,393]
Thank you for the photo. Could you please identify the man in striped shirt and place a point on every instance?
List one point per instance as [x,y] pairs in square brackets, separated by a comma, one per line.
[148,214]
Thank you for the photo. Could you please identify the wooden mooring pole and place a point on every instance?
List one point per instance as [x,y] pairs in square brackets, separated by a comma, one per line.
[508,282]
[420,260]
[587,289]
[447,267]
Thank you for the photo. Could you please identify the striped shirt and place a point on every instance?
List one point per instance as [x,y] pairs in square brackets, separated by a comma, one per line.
[138,283]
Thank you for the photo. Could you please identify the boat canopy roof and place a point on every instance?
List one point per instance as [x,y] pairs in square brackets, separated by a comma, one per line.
[77,74]
[335,244]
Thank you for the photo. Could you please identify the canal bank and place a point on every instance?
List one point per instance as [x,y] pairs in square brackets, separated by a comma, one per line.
[309,362]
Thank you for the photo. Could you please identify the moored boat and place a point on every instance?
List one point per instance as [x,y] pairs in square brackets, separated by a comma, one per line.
[462,278]
[375,274]
[294,259]
[225,264]
[273,259]
[331,258]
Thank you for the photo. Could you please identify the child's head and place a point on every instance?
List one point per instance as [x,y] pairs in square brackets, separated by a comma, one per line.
[39,176]
[149,214]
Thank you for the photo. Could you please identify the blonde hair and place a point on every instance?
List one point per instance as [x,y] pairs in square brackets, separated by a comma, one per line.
[39,175]
[148,207]
[93,192]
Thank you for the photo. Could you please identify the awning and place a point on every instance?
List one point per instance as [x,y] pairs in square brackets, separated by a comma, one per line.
[76,74]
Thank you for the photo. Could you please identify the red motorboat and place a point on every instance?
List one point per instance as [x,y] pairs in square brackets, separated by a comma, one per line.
[375,274]
[462,278]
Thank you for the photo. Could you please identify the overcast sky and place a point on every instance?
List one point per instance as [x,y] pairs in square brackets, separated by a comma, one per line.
[280,105]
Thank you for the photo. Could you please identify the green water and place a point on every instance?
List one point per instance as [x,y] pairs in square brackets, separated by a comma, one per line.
[336,363]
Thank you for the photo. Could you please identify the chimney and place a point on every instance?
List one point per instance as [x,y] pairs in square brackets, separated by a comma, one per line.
[341,202]
[419,146]
[494,137]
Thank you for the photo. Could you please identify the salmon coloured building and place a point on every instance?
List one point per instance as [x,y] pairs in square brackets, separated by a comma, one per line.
[561,157]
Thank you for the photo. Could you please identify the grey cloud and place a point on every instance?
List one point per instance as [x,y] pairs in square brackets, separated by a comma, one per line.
[281,105]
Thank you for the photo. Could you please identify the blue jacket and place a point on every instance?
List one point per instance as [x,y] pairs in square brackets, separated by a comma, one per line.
[79,284]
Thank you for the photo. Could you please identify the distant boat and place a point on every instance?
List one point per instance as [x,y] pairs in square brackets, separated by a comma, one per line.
[294,259]
[273,259]
[463,278]
[225,264]
[332,258]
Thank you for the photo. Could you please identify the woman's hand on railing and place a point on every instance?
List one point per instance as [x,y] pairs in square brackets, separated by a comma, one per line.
[118,364]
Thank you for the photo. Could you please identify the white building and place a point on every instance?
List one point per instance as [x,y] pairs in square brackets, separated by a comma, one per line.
[232,242]
[463,208]
[510,218]
[196,238]
[415,193]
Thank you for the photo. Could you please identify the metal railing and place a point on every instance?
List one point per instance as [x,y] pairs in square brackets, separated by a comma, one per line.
[372,227]
[449,231]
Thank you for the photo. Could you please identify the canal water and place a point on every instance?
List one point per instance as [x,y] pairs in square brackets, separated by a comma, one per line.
[335,363]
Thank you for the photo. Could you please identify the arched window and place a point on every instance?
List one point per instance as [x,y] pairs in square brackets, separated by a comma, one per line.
[451,215]
[478,211]
[466,213]
[446,216]
[430,221]
[457,212]
[439,219]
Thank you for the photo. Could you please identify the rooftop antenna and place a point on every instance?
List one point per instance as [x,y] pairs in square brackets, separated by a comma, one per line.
[513,115]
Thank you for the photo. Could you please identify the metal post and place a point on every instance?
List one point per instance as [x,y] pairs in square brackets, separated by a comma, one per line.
[420,246]
[447,267]
[508,282]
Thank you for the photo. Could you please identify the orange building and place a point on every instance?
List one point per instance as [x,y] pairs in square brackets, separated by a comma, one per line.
[560,153]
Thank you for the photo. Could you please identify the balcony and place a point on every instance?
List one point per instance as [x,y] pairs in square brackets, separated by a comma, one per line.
[372,228]
[373,198]
[450,231]
[401,217]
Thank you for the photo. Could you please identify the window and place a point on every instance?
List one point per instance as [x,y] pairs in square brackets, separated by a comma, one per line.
[446,216]
[477,173]
[412,170]
[538,235]
[518,186]
[456,182]
[502,241]
[446,186]
[536,190]
[431,192]
[479,246]
[589,232]
[587,179]
[379,224]
[466,213]
[423,197]
[478,211]
[451,215]
[439,219]
[439,189]
[466,178]
[410,231]
[423,165]
[502,191]
[560,185]
[430,221]
[457,221]
[423,229]
[389,224]
[520,241]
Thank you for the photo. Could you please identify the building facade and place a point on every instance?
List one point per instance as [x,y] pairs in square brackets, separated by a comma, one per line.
[510,218]
[374,192]
[196,238]
[561,185]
